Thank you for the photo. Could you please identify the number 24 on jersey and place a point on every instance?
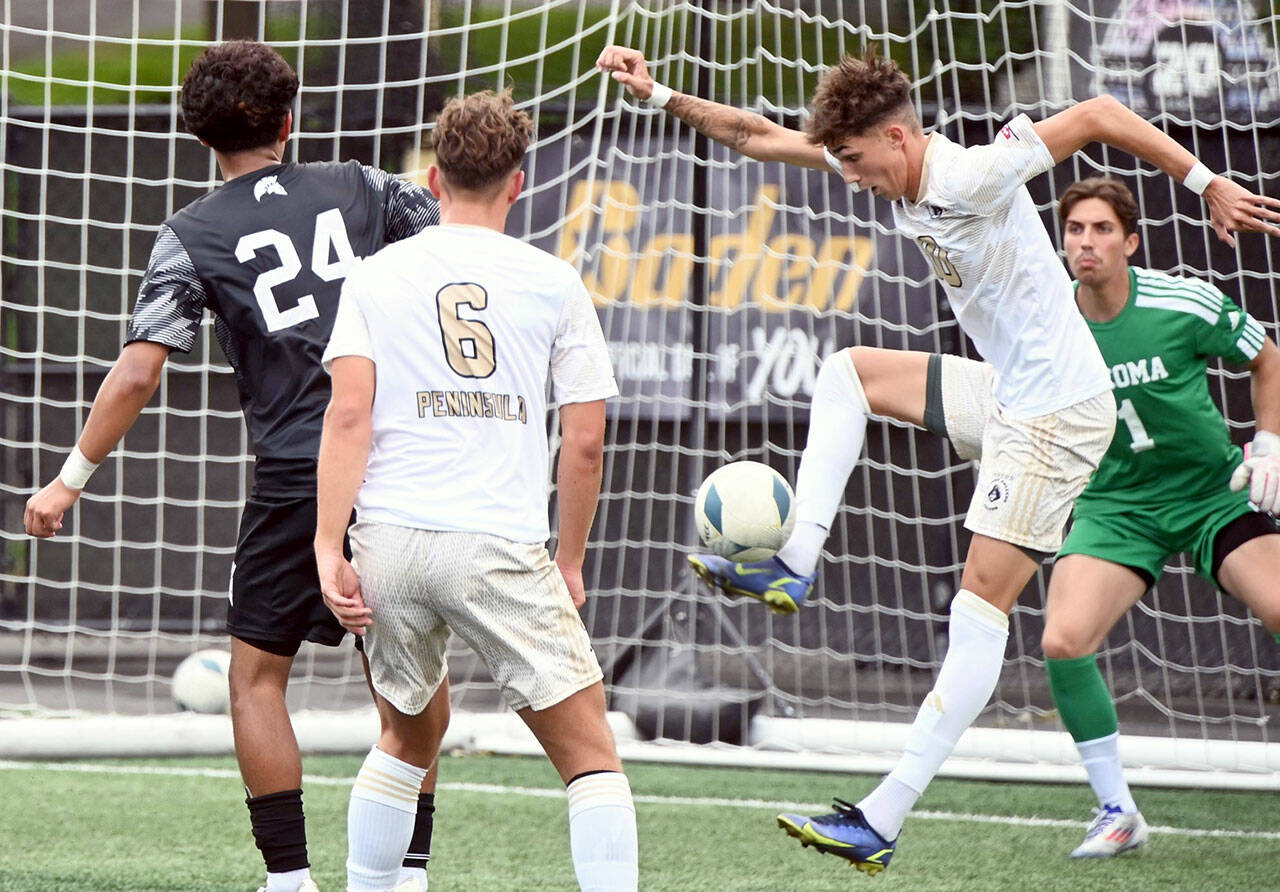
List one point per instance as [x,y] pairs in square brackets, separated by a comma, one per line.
[331,257]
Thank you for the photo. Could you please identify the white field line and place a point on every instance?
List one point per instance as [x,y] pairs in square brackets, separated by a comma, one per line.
[555,793]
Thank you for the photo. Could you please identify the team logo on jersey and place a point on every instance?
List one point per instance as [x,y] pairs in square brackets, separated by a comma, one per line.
[997,495]
[267,186]
[1133,373]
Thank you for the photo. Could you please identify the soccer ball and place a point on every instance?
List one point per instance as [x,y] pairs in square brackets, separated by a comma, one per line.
[200,682]
[745,511]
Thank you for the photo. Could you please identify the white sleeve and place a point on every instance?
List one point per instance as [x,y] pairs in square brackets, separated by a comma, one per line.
[580,368]
[350,335]
[984,178]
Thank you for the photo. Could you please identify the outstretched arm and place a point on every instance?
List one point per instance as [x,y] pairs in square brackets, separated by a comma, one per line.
[753,135]
[126,389]
[1232,208]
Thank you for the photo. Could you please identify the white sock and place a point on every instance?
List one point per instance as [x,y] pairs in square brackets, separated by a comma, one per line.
[1101,759]
[803,547]
[380,818]
[978,631]
[837,426]
[602,833]
[887,806]
[287,880]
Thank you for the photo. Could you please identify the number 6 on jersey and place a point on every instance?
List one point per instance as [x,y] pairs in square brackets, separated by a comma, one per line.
[468,343]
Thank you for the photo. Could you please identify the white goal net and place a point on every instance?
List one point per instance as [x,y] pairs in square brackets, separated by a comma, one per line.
[721,284]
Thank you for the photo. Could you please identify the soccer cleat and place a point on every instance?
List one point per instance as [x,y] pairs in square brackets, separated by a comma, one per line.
[412,884]
[845,833]
[770,581]
[307,885]
[1111,833]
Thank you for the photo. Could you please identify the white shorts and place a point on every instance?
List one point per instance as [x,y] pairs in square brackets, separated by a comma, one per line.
[506,599]
[1031,469]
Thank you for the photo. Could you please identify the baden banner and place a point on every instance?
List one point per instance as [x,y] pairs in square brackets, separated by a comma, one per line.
[748,294]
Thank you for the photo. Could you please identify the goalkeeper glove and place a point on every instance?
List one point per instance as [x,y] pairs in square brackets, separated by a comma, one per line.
[1261,471]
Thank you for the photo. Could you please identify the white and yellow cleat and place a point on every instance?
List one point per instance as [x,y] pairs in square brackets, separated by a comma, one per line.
[1111,833]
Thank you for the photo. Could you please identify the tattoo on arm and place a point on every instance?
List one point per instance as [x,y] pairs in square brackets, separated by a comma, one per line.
[728,126]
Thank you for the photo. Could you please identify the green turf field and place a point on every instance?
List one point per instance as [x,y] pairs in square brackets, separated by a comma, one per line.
[179,825]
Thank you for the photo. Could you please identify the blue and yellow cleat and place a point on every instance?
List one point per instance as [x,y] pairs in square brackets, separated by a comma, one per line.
[845,833]
[770,581]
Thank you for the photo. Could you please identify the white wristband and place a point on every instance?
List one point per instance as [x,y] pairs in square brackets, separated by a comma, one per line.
[76,470]
[660,95]
[1198,178]
[1264,443]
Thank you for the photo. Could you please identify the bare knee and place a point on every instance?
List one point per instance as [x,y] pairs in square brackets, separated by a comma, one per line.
[988,583]
[996,571]
[256,675]
[408,747]
[414,738]
[591,748]
[1065,644]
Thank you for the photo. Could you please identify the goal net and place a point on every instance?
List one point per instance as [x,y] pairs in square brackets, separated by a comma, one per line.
[721,283]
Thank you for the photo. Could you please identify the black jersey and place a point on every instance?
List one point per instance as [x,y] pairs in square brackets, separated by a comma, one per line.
[266,254]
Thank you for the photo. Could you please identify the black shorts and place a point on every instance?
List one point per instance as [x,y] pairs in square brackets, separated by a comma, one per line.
[275,593]
[1239,531]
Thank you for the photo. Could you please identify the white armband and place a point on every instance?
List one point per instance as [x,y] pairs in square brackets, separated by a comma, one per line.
[76,470]
[660,96]
[1198,178]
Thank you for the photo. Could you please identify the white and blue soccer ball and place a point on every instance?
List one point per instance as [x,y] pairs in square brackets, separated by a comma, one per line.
[200,683]
[745,511]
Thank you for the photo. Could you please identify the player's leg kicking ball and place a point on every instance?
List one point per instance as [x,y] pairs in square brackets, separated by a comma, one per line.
[770,581]
[745,513]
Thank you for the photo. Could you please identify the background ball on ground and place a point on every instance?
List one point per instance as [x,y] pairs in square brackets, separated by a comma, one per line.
[745,511]
[200,682]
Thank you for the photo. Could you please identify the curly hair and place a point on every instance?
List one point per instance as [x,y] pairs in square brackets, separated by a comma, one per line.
[480,138]
[1113,192]
[857,95]
[237,94]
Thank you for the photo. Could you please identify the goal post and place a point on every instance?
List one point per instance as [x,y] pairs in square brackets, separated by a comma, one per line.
[721,284]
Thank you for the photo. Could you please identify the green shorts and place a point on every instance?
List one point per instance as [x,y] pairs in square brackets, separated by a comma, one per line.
[1146,540]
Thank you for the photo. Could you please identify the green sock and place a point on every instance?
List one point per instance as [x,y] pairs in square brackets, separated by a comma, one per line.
[1276,636]
[1082,697]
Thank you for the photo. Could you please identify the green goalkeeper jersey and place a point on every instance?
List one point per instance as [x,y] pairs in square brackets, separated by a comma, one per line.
[1171,442]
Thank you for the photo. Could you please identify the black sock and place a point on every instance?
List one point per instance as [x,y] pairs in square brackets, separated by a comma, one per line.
[419,852]
[279,830]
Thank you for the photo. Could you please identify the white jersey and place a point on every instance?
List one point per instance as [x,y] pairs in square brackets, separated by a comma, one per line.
[981,233]
[466,327]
